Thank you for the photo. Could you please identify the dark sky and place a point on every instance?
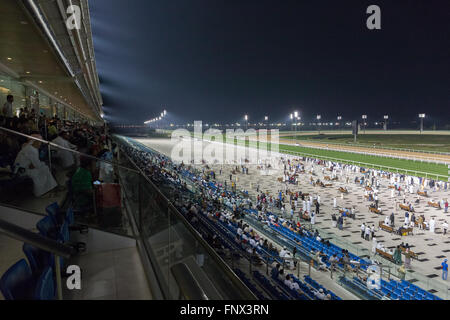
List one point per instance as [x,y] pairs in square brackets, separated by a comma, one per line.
[217,60]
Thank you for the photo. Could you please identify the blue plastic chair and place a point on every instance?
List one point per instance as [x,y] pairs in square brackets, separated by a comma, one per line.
[17,282]
[45,286]
[53,211]
[37,258]
[46,227]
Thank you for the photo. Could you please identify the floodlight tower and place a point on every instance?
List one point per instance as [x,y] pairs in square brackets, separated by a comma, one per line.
[292,125]
[295,128]
[386,118]
[339,118]
[246,121]
[318,117]
[364,117]
[266,119]
[421,116]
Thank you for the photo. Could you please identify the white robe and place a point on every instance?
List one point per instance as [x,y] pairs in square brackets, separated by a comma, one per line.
[43,180]
[67,157]
[432,225]
[313,219]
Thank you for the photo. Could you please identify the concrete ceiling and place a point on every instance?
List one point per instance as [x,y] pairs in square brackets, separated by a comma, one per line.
[26,54]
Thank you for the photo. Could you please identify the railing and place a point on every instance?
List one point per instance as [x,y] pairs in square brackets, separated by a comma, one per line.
[371,165]
[385,155]
[41,242]
[377,147]
[190,289]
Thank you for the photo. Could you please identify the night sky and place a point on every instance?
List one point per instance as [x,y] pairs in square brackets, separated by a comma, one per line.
[217,60]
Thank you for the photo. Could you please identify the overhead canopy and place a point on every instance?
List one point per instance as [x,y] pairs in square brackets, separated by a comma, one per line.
[38,49]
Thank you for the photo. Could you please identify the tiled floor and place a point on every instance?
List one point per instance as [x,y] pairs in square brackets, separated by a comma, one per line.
[111,275]
[111,266]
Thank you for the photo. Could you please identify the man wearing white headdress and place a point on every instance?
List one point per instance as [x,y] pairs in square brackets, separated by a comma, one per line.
[38,171]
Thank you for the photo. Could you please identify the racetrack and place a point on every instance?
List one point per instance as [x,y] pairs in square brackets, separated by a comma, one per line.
[417,155]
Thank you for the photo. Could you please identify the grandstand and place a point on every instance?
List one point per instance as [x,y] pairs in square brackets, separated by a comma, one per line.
[95,211]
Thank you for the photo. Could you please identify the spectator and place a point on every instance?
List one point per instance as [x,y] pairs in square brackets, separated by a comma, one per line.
[38,171]
[444,269]
[66,157]
[8,107]
[82,185]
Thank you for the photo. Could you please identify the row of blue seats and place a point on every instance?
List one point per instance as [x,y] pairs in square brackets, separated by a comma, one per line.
[35,280]
[318,286]
[413,293]
[266,284]
[249,284]
[405,290]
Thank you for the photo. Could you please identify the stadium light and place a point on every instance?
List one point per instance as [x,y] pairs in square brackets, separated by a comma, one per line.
[386,117]
[339,118]
[364,117]
[318,117]
[421,116]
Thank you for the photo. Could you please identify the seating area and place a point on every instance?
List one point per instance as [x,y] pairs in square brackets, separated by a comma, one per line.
[317,286]
[304,242]
[404,290]
[36,279]
[249,284]
[360,288]
[267,285]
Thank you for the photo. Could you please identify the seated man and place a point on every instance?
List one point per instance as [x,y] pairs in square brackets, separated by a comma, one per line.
[38,171]
[66,157]
[82,186]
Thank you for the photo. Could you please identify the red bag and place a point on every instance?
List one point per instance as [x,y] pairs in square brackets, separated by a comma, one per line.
[107,195]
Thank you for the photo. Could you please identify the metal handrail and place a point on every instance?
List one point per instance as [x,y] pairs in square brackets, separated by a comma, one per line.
[190,289]
[35,239]
[371,146]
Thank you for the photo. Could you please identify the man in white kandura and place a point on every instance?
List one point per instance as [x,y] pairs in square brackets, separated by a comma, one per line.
[432,225]
[28,159]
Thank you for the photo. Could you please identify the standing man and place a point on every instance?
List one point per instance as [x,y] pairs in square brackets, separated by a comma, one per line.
[406,217]
[376,200]
[8,107]
[363,229]
[392,219]
[444,269]
[445,227]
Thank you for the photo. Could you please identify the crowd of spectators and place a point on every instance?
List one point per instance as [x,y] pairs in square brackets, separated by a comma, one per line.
[47,168]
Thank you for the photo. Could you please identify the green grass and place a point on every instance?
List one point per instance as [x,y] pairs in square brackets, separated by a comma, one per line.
[425,142]
[377,162]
